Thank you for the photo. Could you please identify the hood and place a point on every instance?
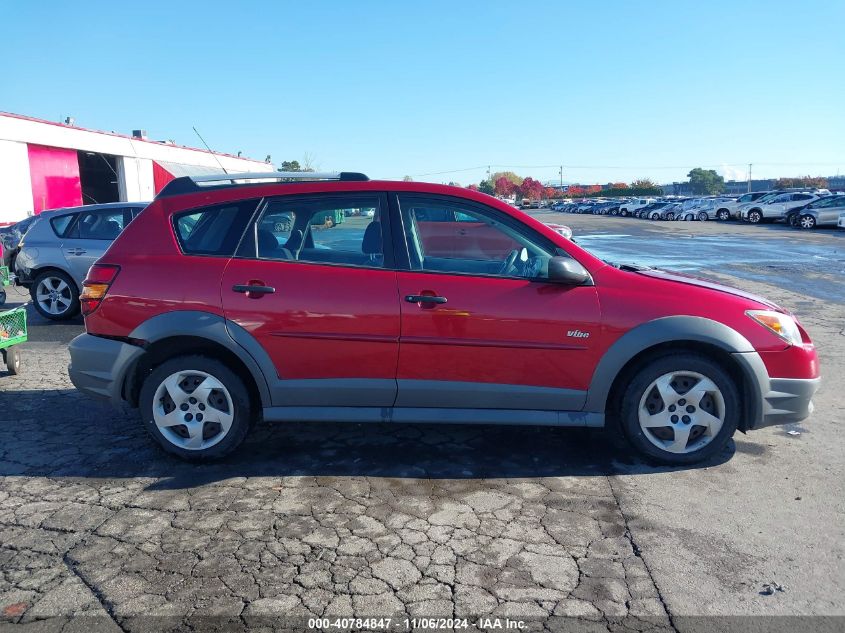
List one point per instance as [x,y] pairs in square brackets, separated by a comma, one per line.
[710,285]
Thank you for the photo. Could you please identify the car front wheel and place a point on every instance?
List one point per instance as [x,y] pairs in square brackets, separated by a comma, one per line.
[680,409]
[54,295]
[724,215]
[196,408]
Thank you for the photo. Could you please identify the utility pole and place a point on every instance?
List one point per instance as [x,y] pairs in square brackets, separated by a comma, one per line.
[749,177]
[488,174]
[561,177]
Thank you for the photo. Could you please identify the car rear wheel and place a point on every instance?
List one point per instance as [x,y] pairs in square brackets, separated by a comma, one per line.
[702,216]
[807,222]
[54,295]
[670,216]
[196,408]
[754,217]
[680,409]
[723,215]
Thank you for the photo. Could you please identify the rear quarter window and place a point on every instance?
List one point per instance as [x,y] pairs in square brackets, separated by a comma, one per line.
[214,230]
[61,224]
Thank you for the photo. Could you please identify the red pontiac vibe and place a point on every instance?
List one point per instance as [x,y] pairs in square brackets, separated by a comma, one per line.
[333,297]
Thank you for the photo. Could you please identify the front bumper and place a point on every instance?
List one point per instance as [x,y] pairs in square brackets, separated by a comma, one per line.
[98,366]
[788,400]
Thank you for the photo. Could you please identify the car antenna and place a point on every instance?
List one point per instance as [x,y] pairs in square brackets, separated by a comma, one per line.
[209,150]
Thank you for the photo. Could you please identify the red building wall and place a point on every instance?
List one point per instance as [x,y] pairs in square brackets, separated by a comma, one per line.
[54,173]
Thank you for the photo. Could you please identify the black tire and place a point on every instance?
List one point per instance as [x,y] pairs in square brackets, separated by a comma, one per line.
[73,308]
[12,358]
[755,217]
[242,414]
[648,373]
[702,216]
[670,216]
[723,215]
[2,296]
[624,213]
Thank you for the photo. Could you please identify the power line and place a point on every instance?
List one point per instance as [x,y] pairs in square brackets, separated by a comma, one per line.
[626,167]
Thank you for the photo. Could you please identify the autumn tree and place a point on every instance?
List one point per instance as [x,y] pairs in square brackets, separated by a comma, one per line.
[806,181]
[516,180]
[530,188]
[705,181]
[504,187]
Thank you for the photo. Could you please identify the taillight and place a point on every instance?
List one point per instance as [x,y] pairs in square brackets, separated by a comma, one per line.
[96,285]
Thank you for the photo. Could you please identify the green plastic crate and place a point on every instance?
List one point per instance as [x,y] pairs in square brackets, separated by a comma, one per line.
[12,327]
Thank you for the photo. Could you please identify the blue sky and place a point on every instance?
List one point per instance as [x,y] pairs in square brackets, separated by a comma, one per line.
[611,90]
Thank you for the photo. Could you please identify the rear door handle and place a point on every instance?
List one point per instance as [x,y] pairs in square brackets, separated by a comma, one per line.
[424,299]
[253,289]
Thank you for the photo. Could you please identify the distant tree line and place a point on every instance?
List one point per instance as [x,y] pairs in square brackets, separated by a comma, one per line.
[507,184]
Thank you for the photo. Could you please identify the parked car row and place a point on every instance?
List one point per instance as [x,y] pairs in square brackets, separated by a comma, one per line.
[800,208]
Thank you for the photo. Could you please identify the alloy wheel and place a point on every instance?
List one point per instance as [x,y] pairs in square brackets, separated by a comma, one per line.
[681,411]
[54,295]
[193,410]
[807,222]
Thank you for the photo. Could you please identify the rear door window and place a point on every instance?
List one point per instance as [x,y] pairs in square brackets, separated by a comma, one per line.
[99,225]
[340,230]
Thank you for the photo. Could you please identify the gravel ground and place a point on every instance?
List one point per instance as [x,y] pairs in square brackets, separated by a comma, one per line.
[553,527]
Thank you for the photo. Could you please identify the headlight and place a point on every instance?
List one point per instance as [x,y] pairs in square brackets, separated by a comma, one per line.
[781,324]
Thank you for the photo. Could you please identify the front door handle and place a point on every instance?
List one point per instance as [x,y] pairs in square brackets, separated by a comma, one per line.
[254,290]
[425,299]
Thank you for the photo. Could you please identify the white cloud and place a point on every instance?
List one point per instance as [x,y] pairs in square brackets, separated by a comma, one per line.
[733,172]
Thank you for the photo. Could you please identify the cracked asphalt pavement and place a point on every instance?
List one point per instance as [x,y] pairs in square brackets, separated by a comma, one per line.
[100,530]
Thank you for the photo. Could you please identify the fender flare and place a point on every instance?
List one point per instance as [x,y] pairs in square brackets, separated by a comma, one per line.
[214,328]
[680,329]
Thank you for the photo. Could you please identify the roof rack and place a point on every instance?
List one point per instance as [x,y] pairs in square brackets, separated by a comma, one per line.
[193,184]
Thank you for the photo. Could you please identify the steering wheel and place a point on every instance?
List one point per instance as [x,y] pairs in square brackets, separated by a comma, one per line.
[510,261]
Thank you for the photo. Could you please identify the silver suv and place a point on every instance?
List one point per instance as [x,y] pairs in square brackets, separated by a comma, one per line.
[59,248]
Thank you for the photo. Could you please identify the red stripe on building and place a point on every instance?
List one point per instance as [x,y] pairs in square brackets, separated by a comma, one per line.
[160,177]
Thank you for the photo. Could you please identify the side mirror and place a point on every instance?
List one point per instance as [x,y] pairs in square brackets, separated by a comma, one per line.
[564,270]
